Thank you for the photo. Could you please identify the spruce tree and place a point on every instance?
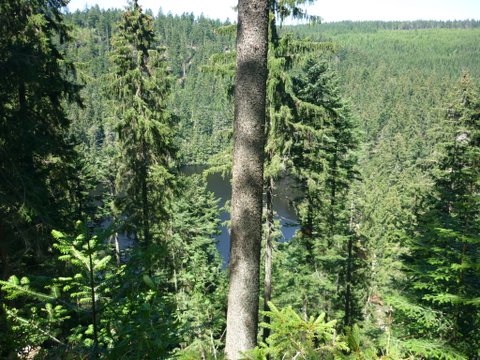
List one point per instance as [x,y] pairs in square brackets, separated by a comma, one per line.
[247,177]
[199,278]
[140,89]
[444,263]
[70,308]
[285,125]
[36,84]
[323,252]
[283,119]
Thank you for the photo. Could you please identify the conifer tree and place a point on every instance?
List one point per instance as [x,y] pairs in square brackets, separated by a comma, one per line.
[199,278]
[283,120]
[326,171]
[323,252]
[444,262]
[68,309]
[140,90]
[36,83]
[247,177]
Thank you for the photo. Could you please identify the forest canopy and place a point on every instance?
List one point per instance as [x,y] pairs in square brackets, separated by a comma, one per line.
[108,248]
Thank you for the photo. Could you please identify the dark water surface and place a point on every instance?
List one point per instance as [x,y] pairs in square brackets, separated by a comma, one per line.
[283,195]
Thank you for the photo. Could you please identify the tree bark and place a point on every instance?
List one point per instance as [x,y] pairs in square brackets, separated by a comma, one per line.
[348,291]
[117,249]
[267,292]
[247,182]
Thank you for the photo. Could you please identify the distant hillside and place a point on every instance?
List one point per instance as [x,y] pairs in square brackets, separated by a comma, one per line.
[381,67]
[394,79]
[372,26]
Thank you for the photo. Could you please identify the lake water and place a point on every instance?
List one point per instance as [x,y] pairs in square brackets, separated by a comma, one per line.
[283,196]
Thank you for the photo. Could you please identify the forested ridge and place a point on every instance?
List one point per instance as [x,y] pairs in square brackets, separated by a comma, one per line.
[108,250]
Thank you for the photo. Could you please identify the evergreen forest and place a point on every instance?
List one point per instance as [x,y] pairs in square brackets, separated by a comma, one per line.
[109,248]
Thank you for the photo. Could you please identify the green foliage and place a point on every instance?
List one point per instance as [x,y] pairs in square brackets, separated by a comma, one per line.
[443,260]
[401,264]
[200,281]
[292,8]
[72,300]
[140,88]
[40,322]
[295,338]
[95,308]
[35,186]
[431,350]
[140,322]
[324,251]
[388,347]
[37,181]
[205,119]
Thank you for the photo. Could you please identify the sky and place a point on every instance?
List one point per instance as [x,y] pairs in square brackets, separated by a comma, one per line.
[328,10]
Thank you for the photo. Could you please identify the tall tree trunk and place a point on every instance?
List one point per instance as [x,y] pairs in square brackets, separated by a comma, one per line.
[267,294]
[348,319]
[117,249]
[348,291]
[247,184]
[333,198]
[145,207]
